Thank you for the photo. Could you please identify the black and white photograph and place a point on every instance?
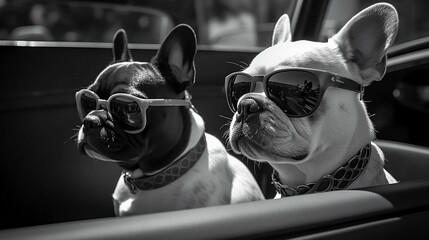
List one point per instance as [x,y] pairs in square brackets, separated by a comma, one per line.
[214,119]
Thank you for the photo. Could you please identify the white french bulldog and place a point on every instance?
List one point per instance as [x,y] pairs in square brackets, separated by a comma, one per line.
[298,106]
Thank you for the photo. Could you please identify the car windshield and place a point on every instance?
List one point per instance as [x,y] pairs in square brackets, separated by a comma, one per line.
[239,23]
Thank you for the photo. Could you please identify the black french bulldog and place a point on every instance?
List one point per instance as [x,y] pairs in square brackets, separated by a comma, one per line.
[139,114]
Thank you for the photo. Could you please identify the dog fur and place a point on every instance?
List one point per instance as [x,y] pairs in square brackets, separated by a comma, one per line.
[217,178]
[303,150]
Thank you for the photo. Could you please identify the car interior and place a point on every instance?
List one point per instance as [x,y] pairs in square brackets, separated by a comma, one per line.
[51,191]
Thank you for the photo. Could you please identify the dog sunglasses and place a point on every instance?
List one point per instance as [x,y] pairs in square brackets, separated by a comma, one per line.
[297,91]
[128,110]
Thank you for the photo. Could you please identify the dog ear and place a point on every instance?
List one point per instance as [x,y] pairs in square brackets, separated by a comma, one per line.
[365,38]
[175,58]
[121,53]
[281,31]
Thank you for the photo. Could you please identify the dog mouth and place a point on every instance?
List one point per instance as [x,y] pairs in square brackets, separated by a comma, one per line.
[107,145]
[257,152]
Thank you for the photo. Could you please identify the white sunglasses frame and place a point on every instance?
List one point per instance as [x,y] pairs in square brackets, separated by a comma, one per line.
[143,104]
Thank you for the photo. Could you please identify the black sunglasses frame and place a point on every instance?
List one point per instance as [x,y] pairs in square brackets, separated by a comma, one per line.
[326,79]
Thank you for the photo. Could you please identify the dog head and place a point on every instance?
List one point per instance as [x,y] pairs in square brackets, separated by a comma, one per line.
[166,76]
[262,131]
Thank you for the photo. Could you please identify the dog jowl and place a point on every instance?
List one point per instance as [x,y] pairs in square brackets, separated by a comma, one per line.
[140,115]
[299,107]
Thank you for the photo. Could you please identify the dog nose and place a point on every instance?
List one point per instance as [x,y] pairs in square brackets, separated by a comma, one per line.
[96,119]
[91,122]
[246,107]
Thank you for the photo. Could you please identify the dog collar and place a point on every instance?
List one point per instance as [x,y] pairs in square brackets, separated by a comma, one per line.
[177,169]
[339,179]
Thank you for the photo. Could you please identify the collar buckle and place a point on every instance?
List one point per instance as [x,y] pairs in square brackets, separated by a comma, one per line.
[362,92]
[129,181]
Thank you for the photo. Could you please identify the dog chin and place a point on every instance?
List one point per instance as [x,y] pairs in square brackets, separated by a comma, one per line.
[89,143]
[96,155]
[256,152]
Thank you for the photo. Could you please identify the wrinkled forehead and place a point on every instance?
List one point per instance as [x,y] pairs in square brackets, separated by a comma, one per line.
[317,55]
[126,77]
[129,73]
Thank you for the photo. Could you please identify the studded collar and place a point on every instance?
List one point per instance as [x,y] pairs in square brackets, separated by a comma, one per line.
[171,173]
[339,179]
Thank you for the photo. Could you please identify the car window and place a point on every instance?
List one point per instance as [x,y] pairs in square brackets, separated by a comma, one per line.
[413,17]
[238,23]
[217,22]
[80,22]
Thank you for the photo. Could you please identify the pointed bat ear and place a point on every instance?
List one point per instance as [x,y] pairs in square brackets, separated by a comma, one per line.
[176,56]
[121,53]
[365,38]
[281,31]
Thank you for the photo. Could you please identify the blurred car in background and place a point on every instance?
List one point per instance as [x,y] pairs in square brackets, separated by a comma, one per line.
[51,49]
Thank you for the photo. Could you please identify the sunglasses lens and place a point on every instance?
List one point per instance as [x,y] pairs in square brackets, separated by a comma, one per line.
[239,85]
[296,92]
[88,103]
[127,112]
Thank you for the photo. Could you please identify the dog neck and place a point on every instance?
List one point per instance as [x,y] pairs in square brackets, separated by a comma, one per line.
[161,159]
[339,179]
[190,154]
